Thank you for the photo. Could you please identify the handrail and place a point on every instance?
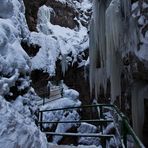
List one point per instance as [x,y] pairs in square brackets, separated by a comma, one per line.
[77,107]
[127,129]
[81,135]
[100,121]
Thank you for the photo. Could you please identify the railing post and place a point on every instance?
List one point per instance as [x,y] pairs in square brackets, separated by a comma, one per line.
[101,117]
[41,120]
[38,118]
[104,143]
[44,101]
[124,132]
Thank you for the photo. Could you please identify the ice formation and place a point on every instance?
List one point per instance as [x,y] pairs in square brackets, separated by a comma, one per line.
[112,33]
[66,43]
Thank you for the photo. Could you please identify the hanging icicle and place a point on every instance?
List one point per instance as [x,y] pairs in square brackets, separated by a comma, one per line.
[111,24]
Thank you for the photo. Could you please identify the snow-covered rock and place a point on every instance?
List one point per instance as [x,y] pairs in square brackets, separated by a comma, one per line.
[88,128]
[17,130]
[56,42]
[71,93]
[6,9]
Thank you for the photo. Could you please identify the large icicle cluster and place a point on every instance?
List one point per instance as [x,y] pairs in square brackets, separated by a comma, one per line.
[112,33]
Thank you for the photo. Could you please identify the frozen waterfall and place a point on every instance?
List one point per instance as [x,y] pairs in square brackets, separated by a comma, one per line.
[112,33]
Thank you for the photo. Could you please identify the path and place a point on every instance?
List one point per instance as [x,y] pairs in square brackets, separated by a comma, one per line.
[55,93]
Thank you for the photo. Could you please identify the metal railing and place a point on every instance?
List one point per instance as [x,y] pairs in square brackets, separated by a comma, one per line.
[125,129]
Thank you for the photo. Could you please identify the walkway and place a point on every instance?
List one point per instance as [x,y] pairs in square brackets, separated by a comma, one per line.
[55,93]
[126,134]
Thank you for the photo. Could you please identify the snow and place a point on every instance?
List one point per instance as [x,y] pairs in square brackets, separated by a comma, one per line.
[6,83]
[71,93]
[48,53]
[70,99]
[88,128]
[56,43]
[6,9]
[142,22]
[63,127]
[17,130]
[17,127]
[13,58]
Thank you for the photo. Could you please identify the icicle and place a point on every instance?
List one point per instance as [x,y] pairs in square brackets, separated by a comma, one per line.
[111,35]
[64,64]
[97,47]
[126,8]
[114,36]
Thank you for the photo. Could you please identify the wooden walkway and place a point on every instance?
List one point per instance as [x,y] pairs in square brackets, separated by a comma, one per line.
[55,94]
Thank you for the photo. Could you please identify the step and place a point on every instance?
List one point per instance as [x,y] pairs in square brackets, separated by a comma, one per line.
[70,146]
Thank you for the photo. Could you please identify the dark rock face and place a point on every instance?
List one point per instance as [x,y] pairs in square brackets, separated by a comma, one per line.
[74,78]
[31,50]
[63,14]
[39,82]
[31,13]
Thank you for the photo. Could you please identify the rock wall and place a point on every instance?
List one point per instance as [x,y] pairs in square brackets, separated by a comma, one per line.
[64,13]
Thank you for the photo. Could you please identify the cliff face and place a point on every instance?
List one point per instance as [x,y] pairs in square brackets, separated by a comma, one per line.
[72,19]
[118,53]
[65,14]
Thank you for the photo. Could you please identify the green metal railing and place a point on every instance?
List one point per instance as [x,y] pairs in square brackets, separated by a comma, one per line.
[126,129]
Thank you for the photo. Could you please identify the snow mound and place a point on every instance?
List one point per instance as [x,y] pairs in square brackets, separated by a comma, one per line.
[71,93]
[18,131]
[6,9]
[48,53]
